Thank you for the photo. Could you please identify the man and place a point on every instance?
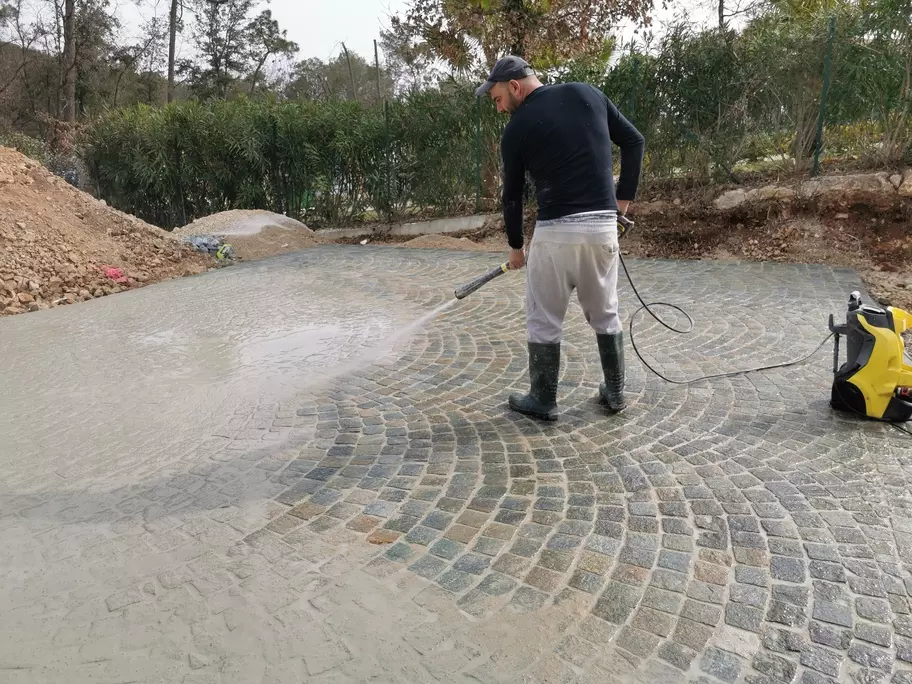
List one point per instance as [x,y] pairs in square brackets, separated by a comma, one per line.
[562,135]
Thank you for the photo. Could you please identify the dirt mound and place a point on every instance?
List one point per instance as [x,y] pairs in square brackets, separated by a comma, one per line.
[254,233]
[56,243]
[872,242]
[240,222]
[445,242]
[272,241]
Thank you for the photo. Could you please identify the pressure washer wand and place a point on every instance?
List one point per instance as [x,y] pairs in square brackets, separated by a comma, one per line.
[471,286]
[625,225]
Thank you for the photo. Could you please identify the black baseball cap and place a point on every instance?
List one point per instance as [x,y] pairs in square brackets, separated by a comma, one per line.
[507,69]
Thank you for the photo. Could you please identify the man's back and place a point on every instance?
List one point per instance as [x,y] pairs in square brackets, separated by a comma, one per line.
[562,134]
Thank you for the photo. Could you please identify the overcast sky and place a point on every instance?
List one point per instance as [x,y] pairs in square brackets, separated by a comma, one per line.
[319,27]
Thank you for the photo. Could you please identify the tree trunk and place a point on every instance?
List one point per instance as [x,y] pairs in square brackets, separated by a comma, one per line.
[172,41]
[721,14]
[351,74]
[517,19]
[256,73]
[69,61]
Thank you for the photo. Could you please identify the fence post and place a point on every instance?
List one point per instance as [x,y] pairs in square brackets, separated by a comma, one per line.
[477,155]
[377,68]
[279,194]
[631,103]
[818,138]
[182,197]
[388,189]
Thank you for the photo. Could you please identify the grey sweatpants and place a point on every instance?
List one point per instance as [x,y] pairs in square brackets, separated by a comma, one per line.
[578,252]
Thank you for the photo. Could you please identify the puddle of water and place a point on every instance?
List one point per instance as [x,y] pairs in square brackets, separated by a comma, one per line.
[183,357]
[290,349]
[161,337]
[277,362]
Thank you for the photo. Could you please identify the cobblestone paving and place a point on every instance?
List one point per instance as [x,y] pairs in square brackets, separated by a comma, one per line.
[194,491]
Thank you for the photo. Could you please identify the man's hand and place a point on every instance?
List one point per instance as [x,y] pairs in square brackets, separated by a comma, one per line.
[622,206]
[517,259]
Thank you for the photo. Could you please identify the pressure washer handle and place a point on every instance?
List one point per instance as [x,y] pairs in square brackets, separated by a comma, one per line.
[625,225]
[473,285]
[902,320]
[838,329]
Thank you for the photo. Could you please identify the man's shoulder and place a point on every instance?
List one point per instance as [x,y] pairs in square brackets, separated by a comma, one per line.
[514,133]
[510,129]
[574,91]
[547,96]
[586,89]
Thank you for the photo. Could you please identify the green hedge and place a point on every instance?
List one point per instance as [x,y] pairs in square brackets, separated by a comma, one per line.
[325,162]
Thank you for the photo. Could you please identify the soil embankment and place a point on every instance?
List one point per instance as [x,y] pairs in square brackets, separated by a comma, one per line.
[60,246]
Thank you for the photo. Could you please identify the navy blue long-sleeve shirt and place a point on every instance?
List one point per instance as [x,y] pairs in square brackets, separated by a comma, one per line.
[562,134]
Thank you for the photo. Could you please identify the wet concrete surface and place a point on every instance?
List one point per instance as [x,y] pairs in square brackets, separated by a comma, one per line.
[176,363]
[241,477]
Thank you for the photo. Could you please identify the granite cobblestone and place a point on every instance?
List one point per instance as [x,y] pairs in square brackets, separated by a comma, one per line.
[724,531]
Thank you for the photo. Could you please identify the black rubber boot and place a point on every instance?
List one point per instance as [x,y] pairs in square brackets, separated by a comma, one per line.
[544,366]
[611,353]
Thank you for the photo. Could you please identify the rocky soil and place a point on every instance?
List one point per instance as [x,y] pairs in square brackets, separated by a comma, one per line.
[858,221]
[59,245]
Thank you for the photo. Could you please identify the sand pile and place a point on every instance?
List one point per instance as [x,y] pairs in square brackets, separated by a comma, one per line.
[254,234]
[59,245]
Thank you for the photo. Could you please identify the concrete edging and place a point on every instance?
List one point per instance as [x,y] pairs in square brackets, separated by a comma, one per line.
[436,226]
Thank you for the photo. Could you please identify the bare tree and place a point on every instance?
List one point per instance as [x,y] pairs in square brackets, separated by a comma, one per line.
[266,40]
[172,42]
[128,57]
[69,61]
[19,34]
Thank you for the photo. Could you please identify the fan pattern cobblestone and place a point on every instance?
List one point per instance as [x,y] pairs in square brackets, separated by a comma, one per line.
[396,522]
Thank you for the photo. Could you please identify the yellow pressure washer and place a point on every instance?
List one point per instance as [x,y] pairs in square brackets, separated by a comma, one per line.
[875,380]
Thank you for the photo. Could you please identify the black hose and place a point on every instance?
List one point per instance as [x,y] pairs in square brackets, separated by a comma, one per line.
[648,308]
